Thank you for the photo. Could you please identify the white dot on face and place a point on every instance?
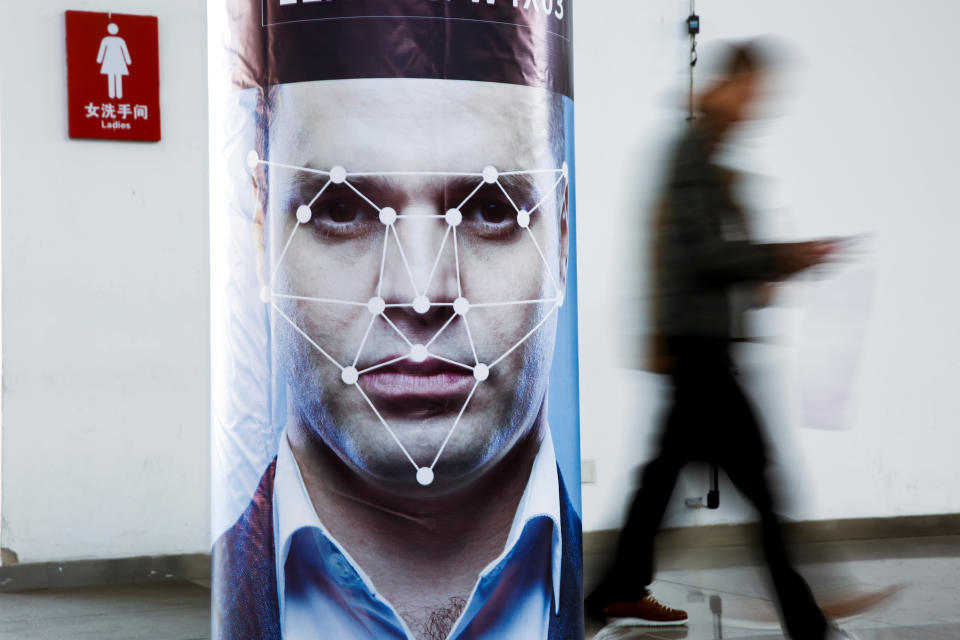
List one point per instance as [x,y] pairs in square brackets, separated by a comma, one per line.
[461,306]
[253,159]
[490,174]
[264,294]
[304,214]
[338,174]
[376,306]
[349,375]
[523,218]
[481,372]
[425,476]
[421,304]
[453,217]
[419,353]
[388,215]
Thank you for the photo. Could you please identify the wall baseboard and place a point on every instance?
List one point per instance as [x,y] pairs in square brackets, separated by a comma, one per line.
[196,566]
[103,572]
[726,535]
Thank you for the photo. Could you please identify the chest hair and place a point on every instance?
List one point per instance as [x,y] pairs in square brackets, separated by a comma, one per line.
[429,623]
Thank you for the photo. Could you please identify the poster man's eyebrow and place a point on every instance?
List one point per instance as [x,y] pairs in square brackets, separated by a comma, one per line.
[518,188]
[520,185]
[308,184]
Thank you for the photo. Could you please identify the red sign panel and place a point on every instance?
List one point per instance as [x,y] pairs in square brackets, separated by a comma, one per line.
[113,76]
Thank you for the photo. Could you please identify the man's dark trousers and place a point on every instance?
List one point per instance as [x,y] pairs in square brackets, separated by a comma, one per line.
[710,420]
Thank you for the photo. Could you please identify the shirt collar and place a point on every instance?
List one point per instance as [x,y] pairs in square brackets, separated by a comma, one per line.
[294,511]
[541,499]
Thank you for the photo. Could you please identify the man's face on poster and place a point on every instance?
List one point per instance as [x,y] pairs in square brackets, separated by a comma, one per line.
[412,138]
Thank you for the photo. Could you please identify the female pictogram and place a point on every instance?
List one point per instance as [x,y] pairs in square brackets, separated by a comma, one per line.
[114,58]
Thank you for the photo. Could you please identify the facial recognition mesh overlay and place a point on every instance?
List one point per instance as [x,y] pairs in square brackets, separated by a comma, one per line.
[418,299]
[394,320]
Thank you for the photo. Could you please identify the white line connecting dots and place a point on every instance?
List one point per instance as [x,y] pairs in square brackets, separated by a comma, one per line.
[377,306]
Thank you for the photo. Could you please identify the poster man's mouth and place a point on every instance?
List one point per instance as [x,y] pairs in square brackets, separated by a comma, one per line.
[418,389]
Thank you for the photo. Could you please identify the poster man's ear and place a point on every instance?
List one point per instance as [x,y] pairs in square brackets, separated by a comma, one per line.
[564,236]
[258,228]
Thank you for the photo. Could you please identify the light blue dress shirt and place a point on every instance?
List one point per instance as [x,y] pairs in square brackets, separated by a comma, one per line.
[323,593]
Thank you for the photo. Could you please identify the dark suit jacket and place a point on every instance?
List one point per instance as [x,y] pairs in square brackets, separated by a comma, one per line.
[703,251]
[245,602]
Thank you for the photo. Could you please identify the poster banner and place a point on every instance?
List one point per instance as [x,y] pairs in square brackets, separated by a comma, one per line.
[395,403]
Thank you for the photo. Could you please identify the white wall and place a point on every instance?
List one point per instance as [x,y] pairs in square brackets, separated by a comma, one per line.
[105,433]
[867,143]
[105,288]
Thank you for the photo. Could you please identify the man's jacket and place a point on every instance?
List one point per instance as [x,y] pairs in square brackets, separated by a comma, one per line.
[245,599]
[702,247]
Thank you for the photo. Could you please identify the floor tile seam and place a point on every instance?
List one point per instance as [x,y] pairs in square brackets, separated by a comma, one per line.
[6,636]
[59,603]
[889,623]
[719,591]
[103,614]
[934,635]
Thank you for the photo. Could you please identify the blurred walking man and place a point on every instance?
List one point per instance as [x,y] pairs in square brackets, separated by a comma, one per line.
[704,252]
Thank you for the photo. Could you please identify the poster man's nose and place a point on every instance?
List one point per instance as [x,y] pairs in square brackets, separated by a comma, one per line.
[421,265]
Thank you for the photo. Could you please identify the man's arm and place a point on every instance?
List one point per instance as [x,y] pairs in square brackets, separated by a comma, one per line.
[715,258]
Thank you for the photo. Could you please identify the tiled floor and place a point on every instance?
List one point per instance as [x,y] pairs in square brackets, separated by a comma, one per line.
[729,599]
[173,611]
[724,580]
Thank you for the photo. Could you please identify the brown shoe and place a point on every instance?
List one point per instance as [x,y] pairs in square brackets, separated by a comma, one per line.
[645,612]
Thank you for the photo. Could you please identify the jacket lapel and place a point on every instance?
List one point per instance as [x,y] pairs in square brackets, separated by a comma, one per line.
[245,603]
[567,623]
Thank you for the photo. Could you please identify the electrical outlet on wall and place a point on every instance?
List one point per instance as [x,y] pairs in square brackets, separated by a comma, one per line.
[588,471]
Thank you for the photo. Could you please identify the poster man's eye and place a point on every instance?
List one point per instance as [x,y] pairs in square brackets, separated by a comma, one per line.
[338,211]
[493,218]
[494,212]
[342,216]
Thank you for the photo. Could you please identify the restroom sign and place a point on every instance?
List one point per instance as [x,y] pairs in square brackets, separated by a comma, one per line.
[113,76]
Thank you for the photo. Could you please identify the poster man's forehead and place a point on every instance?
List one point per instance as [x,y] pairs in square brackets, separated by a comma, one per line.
[399,123]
